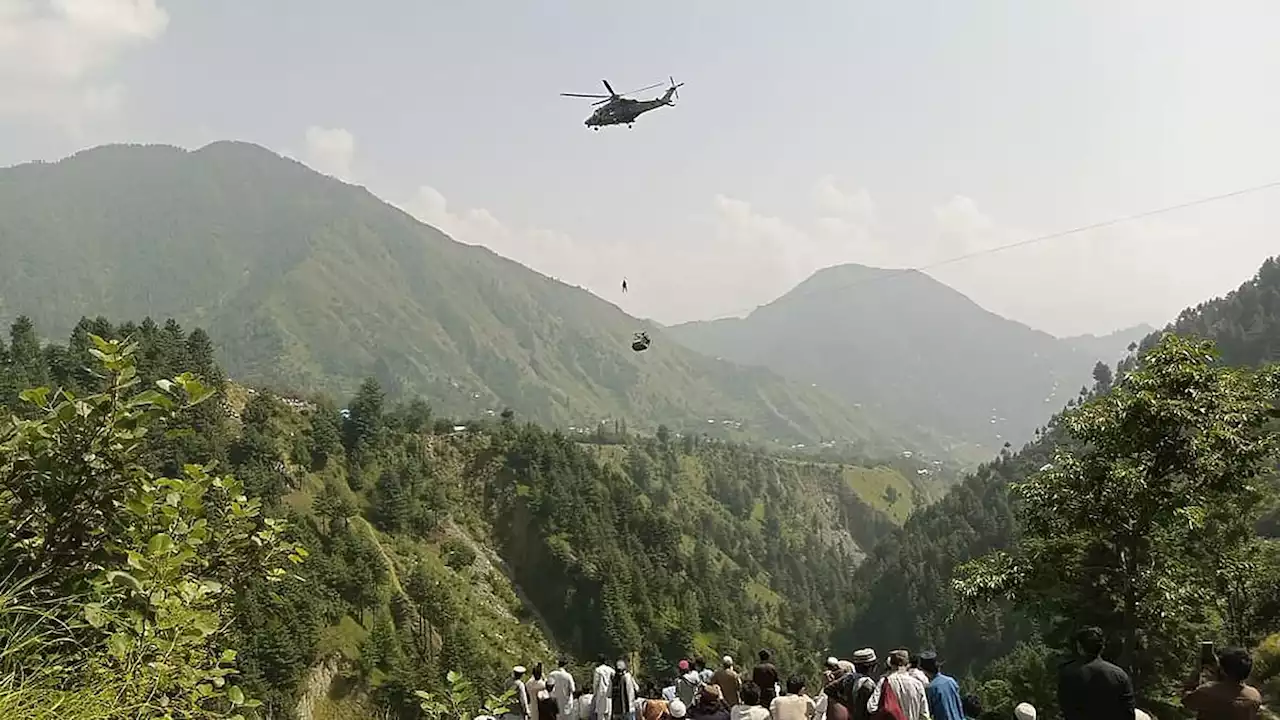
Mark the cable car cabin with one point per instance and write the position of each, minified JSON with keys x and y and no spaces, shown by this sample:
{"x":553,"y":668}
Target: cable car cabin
{"x":641,"y":342}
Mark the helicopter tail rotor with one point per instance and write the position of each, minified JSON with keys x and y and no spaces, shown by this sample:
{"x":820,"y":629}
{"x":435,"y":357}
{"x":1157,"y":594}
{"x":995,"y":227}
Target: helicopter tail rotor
{"x":673,"y":93}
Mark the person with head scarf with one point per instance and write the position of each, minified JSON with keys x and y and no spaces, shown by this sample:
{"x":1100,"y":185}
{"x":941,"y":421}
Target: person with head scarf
{"x":624,"y":691}
{"x":795,"y":705}
{"x":897,"y":692}
{"x":728,"y":680}
{"x":564,"y":688}
{"x":710,"y":705}
{"x":942,"y":692}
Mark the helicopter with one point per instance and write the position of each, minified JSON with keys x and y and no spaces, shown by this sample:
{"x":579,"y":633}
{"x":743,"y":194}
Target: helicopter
{"x":615,"y":109}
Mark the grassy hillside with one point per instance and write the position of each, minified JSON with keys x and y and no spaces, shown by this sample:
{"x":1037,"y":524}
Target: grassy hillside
{"x":908,"y":347}
{"x":310,"y":283}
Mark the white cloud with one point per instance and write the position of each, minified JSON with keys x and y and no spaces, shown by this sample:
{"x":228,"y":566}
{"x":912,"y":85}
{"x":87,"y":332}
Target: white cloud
{"x":53,"y":54}
{"x":331,"y":150}
{"x":552,"y":253}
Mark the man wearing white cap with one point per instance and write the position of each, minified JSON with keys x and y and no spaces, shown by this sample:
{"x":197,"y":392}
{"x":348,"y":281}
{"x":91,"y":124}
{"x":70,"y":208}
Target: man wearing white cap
{"x":676,"y":709}
{"x":728,"y":680}
{"x":1024,"y":711}
{"x":521,"y":706}
{"x":854,"y":689}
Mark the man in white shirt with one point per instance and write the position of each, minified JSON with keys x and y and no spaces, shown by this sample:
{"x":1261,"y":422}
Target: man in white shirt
{"x":908,"y":690}
{"x":602,"y":689}
{"x":520,"y":703}
{"x":563,"y":689}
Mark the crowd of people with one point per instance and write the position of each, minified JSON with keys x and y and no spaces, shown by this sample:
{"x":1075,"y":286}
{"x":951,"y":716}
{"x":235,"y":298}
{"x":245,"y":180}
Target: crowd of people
{"x":906,"y":687}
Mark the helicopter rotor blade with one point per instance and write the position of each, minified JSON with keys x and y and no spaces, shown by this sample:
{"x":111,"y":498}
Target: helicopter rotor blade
{"x":648,"y":87}
{"x":584,"y":95}
{"x":609,"y":87}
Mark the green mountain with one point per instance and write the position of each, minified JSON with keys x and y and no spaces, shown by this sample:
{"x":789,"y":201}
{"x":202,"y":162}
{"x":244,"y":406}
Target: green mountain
{"x":311,"y":283}
{"x":905,"y":584}
{"x":910,"y":348}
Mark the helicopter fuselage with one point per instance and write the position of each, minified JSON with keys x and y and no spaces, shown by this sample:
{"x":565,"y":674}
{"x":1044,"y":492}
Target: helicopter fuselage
{"x":623,"y":112}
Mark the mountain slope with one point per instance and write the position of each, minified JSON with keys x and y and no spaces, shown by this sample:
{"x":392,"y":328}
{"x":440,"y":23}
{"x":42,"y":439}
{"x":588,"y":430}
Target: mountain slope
{"x":1112,"y":346}
{"x":310,"y":283}
{"x":907,"y":596}
{"x":906,"y":345}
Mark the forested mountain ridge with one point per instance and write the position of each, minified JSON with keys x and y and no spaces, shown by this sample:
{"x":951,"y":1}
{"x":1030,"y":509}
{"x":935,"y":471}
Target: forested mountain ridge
{"x":310,"y":283}
{"x":906,"y":589}
{"x":912,"y":348}
{"x":1112,"y":346}
{"x":433,"y":548}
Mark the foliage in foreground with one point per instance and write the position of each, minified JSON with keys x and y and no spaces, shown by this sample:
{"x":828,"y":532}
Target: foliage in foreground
{"x":1146,"y":529}
{"x":132,"y":577}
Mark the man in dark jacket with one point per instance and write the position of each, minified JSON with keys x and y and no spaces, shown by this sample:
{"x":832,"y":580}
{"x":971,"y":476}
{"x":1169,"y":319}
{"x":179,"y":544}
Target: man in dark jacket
{"x":765,"y":676}
{"x":1090,"y":688}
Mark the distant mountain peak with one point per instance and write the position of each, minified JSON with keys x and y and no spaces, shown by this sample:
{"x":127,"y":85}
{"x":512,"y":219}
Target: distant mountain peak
{"x":909,"y":345}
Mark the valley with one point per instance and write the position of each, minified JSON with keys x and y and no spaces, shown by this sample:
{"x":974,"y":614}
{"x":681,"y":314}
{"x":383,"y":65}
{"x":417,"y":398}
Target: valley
{"x":480,"y":471}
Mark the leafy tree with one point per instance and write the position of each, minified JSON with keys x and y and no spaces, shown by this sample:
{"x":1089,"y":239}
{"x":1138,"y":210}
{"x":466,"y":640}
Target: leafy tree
{"x":156,"y":560}
{"x":1145,"y":529}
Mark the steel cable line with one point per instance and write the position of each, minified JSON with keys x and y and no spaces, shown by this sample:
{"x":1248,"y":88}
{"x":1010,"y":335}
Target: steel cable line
{"x":891,"y":273}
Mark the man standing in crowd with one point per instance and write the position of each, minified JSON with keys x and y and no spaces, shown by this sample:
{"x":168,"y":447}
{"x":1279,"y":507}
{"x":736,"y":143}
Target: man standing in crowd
{"x":688,"y":684}
{"x":728,"y":680}
{"x":900,"y":689}
{"x":1090,"y":688}
{"x":602,"y":689}
{"x":795,"y":705}
{"x":624,"y":692}
{"x":765,"y":676}
{"x":563,"y":689}
{"x":1227,"y":697}
{"x":521,"y":708}
{"x":704,"y":672}
{"x":942,"y":692}
{"x":748,"y":707}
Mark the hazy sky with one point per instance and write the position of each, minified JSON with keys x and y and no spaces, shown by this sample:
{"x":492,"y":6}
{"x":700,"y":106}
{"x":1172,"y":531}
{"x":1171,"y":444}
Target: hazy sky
{"x":808,"y":133}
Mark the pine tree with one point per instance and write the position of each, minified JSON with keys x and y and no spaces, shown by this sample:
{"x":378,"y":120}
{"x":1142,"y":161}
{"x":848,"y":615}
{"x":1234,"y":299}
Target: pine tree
{"x":365,"y":417}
